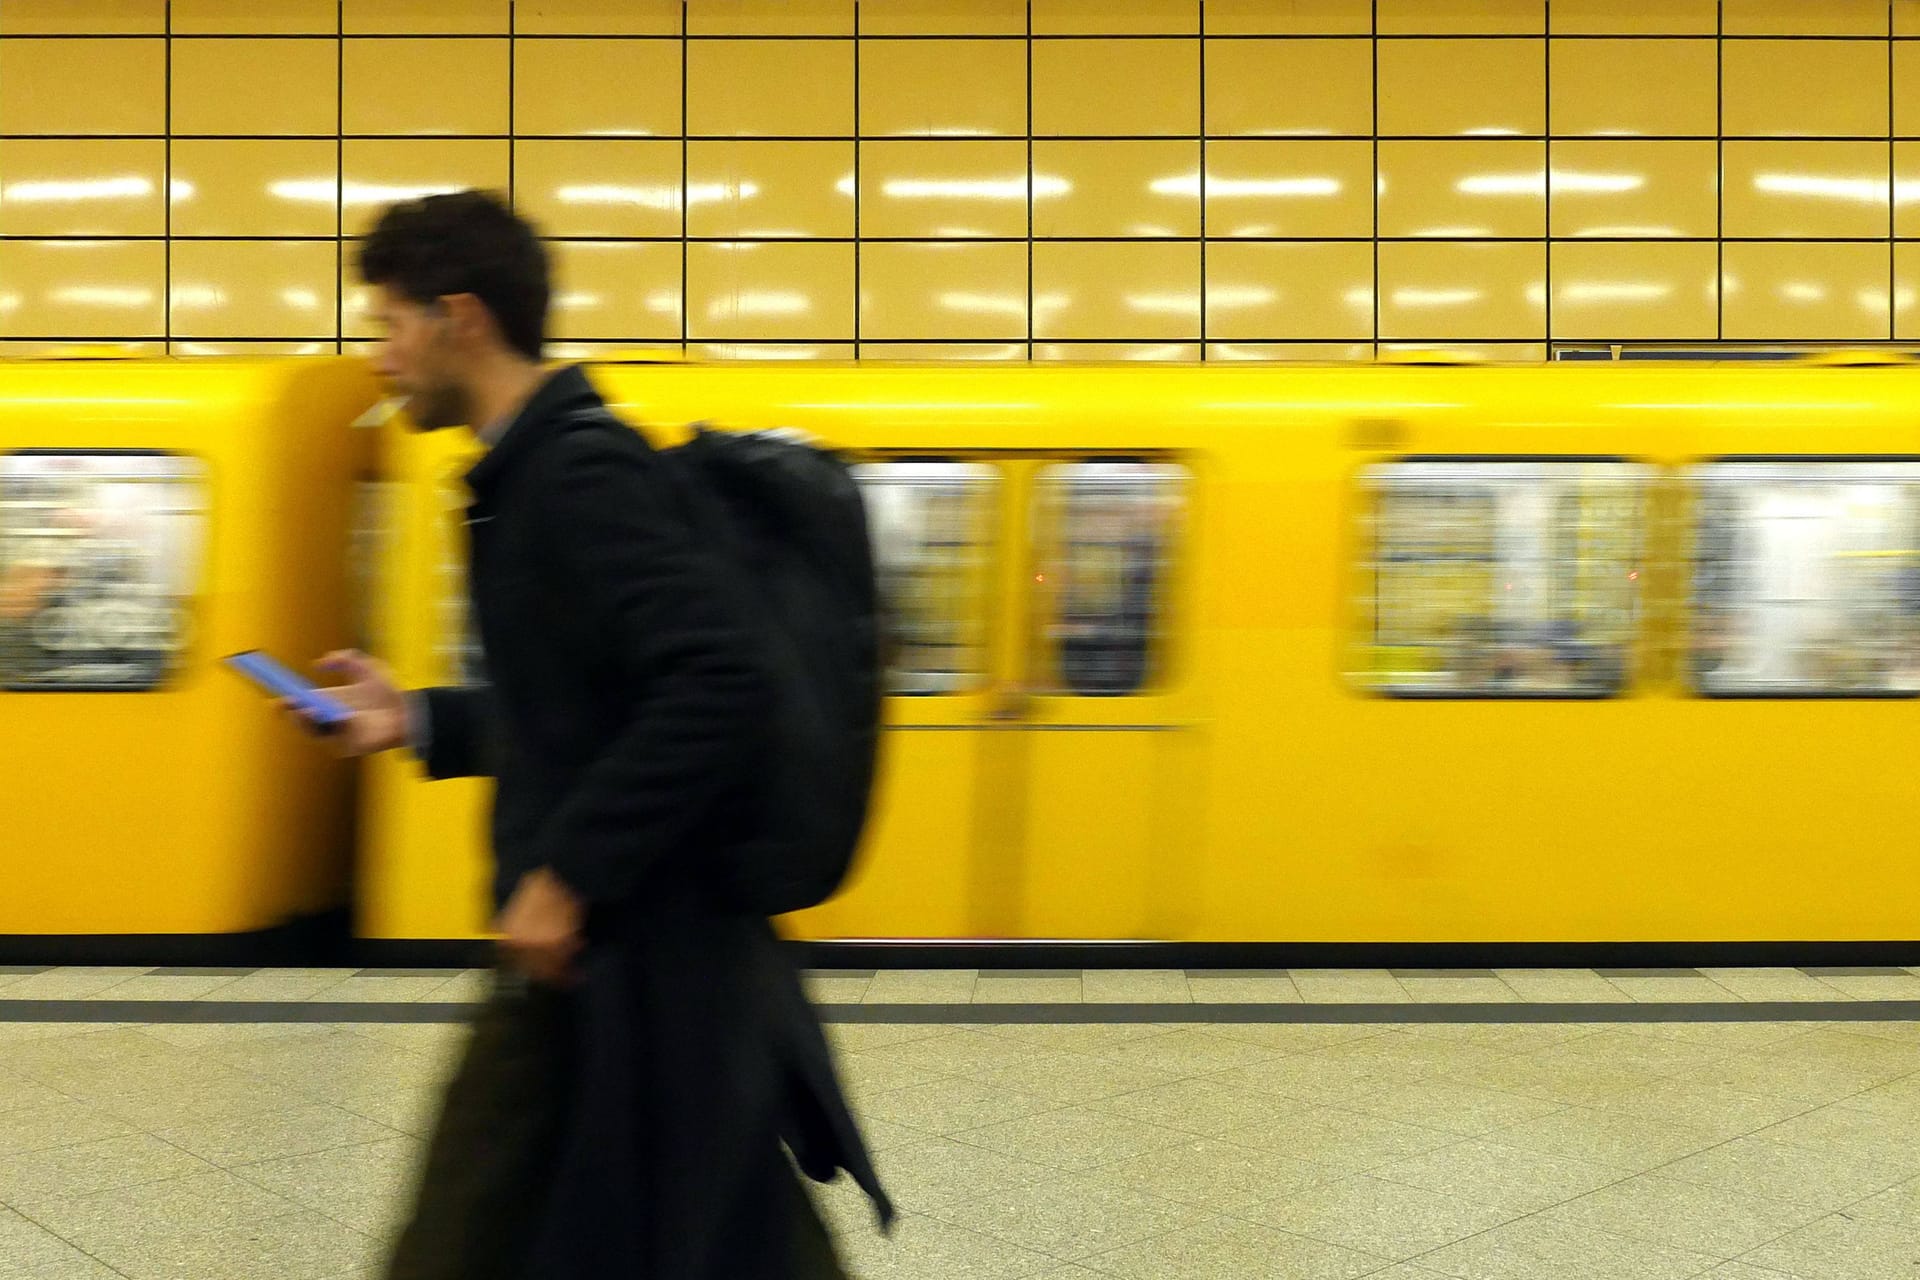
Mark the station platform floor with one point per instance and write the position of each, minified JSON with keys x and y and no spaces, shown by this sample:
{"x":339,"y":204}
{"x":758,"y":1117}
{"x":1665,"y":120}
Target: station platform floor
{"x":1733,"y":1124}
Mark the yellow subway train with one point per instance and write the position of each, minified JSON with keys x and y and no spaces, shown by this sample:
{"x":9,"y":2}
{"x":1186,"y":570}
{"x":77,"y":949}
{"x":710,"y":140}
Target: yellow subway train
{"x":1584,"y":654}
{"x":1567,"y":654}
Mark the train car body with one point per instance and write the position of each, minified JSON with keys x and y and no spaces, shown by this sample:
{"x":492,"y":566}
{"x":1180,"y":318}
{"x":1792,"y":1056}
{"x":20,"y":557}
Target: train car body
{"x":156,"y":515}
{"x":1377,"y":655}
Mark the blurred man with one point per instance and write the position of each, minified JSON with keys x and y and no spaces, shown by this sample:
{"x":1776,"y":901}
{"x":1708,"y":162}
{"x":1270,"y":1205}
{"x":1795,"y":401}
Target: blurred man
{"x":620,"y":1107}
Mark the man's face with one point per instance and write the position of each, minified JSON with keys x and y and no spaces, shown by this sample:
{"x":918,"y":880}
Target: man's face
{"x":418,"y":360}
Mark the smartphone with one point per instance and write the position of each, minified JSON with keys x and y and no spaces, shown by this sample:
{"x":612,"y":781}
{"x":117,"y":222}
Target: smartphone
{"x":325,"y":713}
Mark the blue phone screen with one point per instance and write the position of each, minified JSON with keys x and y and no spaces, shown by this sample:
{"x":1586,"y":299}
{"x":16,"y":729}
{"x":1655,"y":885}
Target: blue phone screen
{"x":282,"y":683}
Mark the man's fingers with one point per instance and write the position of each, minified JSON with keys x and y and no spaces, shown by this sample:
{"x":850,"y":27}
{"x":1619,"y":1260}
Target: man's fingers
{"x":350,"y":663}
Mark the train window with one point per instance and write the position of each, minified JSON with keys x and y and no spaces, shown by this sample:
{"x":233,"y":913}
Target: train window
{"x":1501,"y":578}
{"x":100,"y":554}
{"x":1806,"y":579}
{"x":456,"y":637}
{"x":369,"y":542}
{"x":1105,"y":540}
{"x":932,"y":527}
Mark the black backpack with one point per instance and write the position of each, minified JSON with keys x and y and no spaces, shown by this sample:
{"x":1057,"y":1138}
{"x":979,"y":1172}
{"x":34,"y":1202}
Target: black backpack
{"x":791,"y":520}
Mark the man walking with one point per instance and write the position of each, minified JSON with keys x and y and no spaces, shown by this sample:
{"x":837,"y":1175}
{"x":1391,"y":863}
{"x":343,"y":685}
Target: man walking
{"x":625,"y":1091}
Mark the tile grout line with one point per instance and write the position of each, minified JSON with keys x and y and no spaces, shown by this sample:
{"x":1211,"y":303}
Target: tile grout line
{"x":166,"y":185}
{"x":1028,"y":46}
{"x":859,"y":256}
{"x":1373,"y":179}
{"x":1719,"y":171}
{"x":1045,"y":37}
{"x":686,"y":328}
{"x":1546,"y":184}
{"x":1200,"y":28}
{"x":340,"y":176}
{"x":26,"y":1216}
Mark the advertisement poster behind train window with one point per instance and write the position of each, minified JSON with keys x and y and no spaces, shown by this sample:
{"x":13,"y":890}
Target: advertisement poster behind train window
{"x":99,"y":554}
{"x":1494,"y":578}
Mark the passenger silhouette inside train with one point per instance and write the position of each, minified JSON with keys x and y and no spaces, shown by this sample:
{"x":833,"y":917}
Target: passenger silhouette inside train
{"x":1105,"y":614}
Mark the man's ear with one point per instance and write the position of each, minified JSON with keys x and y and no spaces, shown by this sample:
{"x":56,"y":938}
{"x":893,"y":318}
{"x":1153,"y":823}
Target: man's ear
{"x":468,"y":319}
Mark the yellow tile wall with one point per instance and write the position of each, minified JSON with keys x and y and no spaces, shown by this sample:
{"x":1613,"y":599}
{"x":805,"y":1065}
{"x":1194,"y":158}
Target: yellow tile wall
{"x":980,"y":179}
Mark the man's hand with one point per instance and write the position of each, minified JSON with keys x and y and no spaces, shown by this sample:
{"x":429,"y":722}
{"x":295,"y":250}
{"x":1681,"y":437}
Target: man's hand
{"x":540,"y":927}
{"x":379,"y":720}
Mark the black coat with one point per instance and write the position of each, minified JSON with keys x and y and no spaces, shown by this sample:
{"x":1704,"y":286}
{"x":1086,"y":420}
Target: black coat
{"x":625,"y":722}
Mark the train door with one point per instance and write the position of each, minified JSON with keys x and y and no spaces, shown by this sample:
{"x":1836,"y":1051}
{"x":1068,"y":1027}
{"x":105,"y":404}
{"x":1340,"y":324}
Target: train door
{"x":1102,"y":770}
{"x":1034,"y":765}
{"x":939,"y":533}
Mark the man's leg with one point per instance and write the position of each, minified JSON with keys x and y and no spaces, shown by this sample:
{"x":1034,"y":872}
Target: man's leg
{"x":481,"y":1189}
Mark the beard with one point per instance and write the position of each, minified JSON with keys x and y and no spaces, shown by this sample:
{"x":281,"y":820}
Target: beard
{"x":437,"y":408}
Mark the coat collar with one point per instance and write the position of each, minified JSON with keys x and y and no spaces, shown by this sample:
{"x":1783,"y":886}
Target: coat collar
{"x":563,"y":394}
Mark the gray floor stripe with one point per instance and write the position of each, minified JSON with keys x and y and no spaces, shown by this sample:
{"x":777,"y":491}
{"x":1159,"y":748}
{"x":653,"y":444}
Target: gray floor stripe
{"x":251,"y":1011}
{"x":1506,"y":1012}
{"x":170,"y":1011}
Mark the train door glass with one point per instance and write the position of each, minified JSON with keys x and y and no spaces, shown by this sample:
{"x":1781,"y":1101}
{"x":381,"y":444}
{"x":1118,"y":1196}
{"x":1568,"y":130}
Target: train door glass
{"x":1806,"y":578}
{"x":369,"y":551}
{"x":1104,"y":531}
{"x":1103,"y":767}
{"x":1501,"y":578}
{"x":930,"y":528}
{"x":456,"y":638}
{"x":100,"y":557}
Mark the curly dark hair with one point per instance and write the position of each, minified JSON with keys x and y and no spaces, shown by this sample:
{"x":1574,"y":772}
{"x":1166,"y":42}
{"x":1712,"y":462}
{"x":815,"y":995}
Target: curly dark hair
{"x":464,"y":242}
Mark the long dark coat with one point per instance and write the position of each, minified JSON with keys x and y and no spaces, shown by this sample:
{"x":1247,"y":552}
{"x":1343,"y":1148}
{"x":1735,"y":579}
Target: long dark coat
{"x":625,"y":722}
